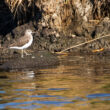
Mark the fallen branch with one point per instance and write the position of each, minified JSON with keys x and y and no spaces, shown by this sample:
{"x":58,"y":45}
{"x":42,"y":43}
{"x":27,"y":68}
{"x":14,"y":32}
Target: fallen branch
{"x":84,"y":43}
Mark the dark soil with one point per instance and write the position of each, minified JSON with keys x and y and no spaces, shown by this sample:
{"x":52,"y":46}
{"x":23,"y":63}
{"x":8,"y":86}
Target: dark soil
{"x":41,"y":59}
{"x":49,"y":39}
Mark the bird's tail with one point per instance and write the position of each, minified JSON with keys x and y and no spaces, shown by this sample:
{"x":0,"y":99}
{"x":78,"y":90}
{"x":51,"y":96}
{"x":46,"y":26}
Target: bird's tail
{"x":14,"y":47}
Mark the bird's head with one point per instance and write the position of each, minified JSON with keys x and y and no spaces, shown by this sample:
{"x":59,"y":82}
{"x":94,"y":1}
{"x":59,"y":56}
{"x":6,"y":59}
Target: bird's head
{"x":28,"y":31}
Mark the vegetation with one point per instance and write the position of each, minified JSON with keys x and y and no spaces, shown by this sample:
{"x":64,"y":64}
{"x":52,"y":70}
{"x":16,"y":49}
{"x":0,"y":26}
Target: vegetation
{"x":101,"y":8}
{"x":21,"y":9}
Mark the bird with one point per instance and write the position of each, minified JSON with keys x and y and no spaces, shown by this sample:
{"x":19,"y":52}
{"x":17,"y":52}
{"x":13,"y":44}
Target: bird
{"x":23,"y":42}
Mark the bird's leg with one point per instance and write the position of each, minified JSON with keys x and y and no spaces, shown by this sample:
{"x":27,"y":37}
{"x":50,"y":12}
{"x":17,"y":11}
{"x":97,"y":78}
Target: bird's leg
{"x":22,"y":54}
{"x":26,"y":52}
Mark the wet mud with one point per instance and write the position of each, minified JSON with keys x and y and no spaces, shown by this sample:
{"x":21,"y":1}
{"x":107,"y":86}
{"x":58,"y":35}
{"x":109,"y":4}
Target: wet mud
{"x":64,"y":30}
{"x":41,"y":59}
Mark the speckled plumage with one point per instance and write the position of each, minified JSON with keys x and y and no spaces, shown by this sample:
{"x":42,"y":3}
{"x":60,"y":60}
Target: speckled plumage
{"x":23,"y":42}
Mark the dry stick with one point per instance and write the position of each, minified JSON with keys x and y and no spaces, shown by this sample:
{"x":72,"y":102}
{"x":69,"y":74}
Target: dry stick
{"x":83,"y":43}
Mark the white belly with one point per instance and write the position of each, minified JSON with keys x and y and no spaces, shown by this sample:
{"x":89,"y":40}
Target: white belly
{"x":28,"y":44}
{"x":24,"y":46}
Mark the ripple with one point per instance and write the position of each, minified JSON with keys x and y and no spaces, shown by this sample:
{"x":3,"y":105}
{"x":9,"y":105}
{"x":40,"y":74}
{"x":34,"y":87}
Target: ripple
{"x":2,"y":92}
{"x":98,"y":95}
{"x":32,"y":104}
{"x":57,"y":89}
{"x":57,"y":103}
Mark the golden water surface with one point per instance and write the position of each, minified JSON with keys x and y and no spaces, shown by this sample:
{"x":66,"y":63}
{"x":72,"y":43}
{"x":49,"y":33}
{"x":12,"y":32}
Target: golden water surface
{"x":79,"y":82}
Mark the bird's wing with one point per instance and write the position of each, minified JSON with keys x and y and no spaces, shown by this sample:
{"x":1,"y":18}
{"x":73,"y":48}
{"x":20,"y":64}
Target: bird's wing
{"x":20,"y":42}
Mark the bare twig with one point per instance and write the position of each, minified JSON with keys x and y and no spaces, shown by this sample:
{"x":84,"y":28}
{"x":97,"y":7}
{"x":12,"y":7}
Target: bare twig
{"x":74,"y":46}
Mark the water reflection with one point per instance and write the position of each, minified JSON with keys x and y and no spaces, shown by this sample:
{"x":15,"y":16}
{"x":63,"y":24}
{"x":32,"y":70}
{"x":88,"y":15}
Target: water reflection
{"x":99,"y":95}
{"x":79,"y":82}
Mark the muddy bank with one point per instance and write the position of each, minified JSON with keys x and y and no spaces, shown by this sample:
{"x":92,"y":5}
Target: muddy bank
{"x":59,"y":25}
{"x":49,"y":39}
{"x":41,"y":59}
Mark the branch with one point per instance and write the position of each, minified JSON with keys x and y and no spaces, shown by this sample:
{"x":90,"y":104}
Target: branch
{"x":74,"y":46}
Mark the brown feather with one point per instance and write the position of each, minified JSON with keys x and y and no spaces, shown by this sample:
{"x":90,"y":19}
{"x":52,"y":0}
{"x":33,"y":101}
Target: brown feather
{"x":21,"y":41}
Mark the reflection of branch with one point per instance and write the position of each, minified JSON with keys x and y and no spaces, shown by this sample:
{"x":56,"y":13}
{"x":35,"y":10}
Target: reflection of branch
{"x":74,"y":46}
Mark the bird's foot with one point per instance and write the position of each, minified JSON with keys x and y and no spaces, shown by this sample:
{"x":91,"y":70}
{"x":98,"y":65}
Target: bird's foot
{"x":27,"y":53}
{"x":22,"y":56}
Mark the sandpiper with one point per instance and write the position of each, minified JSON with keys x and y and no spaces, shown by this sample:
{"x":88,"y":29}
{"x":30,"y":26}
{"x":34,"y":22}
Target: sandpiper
{"x":23,"y":42}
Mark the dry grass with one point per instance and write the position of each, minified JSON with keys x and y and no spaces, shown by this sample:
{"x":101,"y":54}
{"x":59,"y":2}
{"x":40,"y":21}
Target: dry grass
{"x":101,"y":9}
{"x":20,"y":8}
{"x":14,"y":4}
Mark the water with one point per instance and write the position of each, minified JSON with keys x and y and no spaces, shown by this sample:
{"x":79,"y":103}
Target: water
{"x":80,"y":82}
